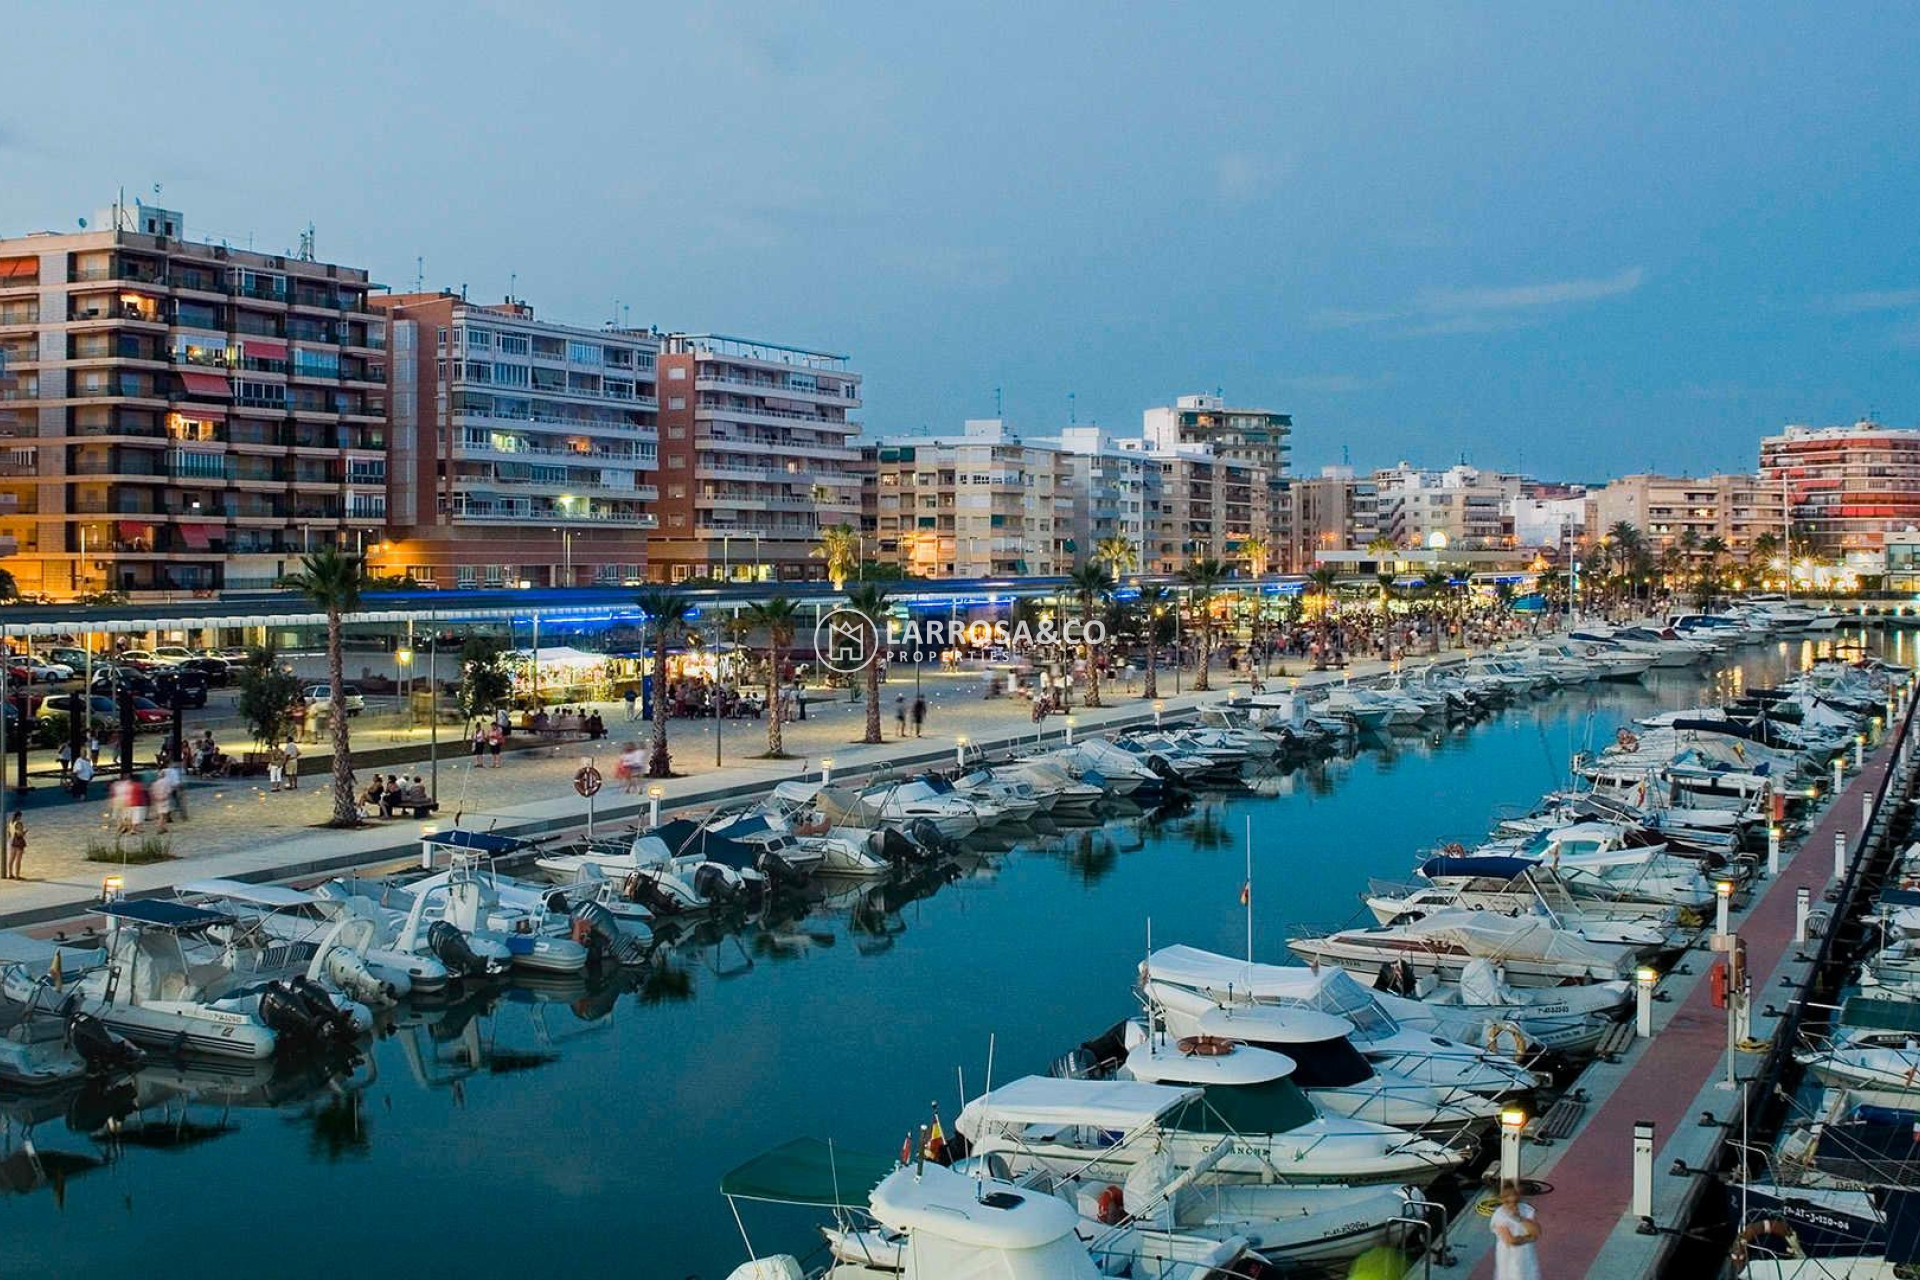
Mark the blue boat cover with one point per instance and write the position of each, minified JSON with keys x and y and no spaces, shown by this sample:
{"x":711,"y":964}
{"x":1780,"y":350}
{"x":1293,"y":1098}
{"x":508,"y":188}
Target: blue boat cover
{"x":163,"y":914}
{"x":484,"y":841}
{"x":1498,"y":868}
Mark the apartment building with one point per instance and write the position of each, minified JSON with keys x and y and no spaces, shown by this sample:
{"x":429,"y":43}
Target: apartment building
{"x":1735,"y":508}
{"x":756,"y":458}
{"x":1461,"y":506}
{"x":1259,"y":437}
{"x":1333,"y":511}
{"x":184,"y":416}
{"x":1200,"y":506}
{"x":523,"y":451}
{"x":1553,"y":524}
{"x":1108,"y":487}
{"x":982,"y":504}
{"x":1849,"y":486}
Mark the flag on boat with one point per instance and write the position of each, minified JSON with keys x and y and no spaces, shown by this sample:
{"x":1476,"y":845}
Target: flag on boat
{"x":936,"y":1146}
{"x":1246,"y":892}
{"x":906,"y":1148}
{"x":53,"y":972}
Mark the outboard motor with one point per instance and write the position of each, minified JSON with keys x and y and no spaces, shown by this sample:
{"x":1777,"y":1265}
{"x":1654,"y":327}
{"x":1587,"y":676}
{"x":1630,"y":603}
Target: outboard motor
{"x":286,"y":1015}
{"x":348,"y":971}
{"x":930,"y":838}
{"x":450,"y":948}
{"x":595,"y":928}
{"x":1168,"y":775}
{"x":98,"y":1046}
{"x":712,"y":882}
{"x":327,"y":1014}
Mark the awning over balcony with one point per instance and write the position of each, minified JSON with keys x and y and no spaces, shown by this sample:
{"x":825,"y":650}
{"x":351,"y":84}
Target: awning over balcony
{"x":197,"y":536}
{"x":20,"y":269}
{"x":206,"y":384}
{"x":130,"y":529}
{"x":265,"y":349}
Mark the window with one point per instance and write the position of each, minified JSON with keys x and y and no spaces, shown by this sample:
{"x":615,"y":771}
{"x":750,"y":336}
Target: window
{"x":511,"y":344}
{"x":316,"y":364}
{"x":677,"y":374}
{"x":677,"y":462}
{"x":586,"y":353}
{"x":477,"y":371}
{"x":512,"y":375}
{"x":465,"y":576}
{"x":479,"y":339}
{"x":676,"y":491}
{"x":676,"y":402}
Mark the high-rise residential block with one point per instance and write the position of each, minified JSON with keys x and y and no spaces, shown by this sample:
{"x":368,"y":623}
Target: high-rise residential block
{"x":1849,"y":487}
{"x":523,"y":451}
{"x":1685,"y":511}
{"x":184,"y":416}
{"x":982,"y":504}
{"x":756,"y":458}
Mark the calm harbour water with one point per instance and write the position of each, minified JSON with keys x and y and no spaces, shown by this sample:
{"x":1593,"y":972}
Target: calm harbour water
{"x":592,"y":1134}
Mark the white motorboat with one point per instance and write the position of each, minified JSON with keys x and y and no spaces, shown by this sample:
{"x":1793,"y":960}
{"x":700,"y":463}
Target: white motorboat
{"x":918,"y":800}
{"x":1372,"y":709}
{"x":1530,"y":951}
{"x":303,"y":919}
{"x":1069,"y":795}
{"x":411,"y":924}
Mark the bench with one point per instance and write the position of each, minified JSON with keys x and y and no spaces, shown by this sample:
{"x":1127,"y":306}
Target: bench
{"x":1562,"y":1118}
{"x":404,"y":808}
{"x":1615,"y":1041}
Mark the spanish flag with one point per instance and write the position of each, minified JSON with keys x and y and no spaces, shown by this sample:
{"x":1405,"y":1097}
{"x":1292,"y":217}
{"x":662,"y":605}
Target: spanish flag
{"x":936,"y":1145}
{"x":1246,"y":892}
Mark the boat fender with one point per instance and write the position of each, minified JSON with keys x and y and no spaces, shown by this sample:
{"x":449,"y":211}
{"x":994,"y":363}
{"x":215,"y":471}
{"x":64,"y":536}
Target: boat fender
{"x":1113,"y":1205}
{"x":1780,"y":1237}
{"x":1206,"y":1046}
{"x":1627,"y":739}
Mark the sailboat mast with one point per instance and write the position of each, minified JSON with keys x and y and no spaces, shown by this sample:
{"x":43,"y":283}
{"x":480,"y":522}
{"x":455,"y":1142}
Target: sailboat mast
{"x":1247,"y":894}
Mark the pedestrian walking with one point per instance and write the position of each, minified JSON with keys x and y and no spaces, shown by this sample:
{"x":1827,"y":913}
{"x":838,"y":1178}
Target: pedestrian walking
{"x":65,"y":758}
{"x":919,"y":713}
{"x":276,"y":767}
{"x":161,"y":799}
{"x":633,"y":704}
{"x":17,"y":846}
{"x":93,"y":749}
{"x":900,"y":715}
{"x":496,"y":738}
{"x":291,"y":753}
{"x":177,"y":788}
{"x":1516,"y":1230}
{"x":82,"y":775}
{"x":479,"y":744}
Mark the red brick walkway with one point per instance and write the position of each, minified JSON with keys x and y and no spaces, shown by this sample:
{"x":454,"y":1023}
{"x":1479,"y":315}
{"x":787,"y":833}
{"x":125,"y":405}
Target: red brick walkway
{"x":1593,"y":1179}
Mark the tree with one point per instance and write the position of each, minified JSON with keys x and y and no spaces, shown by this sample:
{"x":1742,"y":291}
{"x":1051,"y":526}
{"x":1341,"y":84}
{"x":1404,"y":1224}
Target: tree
{"x":1156,"y":606}
{"x":332,"y":578}
{"x":1761,"y":553}
{"x":1323,"y":581}
{"x":268,"y":692}
{"x":840,"y":547}
{"x":486,"y":682}
{"x":1713,"y":548}
{"x":1202,"y":578}
{"x":1256,"y":549}
{"x":1091,"y":582}
{"x":1118,"y":554}
{"x":1552,"y":587}
{"x":869,"y":600}
{"x":9,"y":589}
{"x":779,"y":618}
{"x":665,"y":617}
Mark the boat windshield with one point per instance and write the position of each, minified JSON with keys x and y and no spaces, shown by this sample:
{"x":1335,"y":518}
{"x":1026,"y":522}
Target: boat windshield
{"x":1276,"y":1106}
{"x":1325,"y":1064}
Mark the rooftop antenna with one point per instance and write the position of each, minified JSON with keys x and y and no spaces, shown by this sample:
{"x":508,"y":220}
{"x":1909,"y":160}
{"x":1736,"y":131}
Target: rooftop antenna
{"x":1071,"y":412}
{"x":306,"y":242}
{"x":996,"y":402}
{"x":513,"y":284}
{"x":419,"y":273}
{"x":1346,"y":456}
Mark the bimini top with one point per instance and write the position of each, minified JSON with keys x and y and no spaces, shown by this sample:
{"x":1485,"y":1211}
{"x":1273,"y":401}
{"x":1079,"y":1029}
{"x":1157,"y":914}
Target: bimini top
{"x":1163,"y":1061}
{"x":1104,"y":1104}
{"x":162,"y":915}
{"x":810,"y":1172}
{"x":257,"y":895}
{"x":1493,"y":868}
{"x":981,"y":1213}
{"x":1271,"y":1024}
{"x":478,"y":841}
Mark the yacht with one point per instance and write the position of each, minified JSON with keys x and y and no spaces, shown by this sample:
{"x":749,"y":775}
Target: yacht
{"x":1530,"y":951}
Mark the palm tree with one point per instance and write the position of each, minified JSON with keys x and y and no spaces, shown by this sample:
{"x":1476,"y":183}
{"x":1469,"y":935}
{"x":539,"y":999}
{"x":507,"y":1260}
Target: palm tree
{"x":1761,"y":554}
{"x":1256,"y":549}
{"x":779,"y":618}
{"x":1324,"y":579}
{"x":1118,"y":554}
{"x":1156,"y":606}
{"x":1201,"y":578}
{"x":332,"y":579}
{"x":1091,"y":582}
{"x":840,"y":547}
{"x":665,"y":613}
{"x":869,"y":600}
{"x":1712,"y":547}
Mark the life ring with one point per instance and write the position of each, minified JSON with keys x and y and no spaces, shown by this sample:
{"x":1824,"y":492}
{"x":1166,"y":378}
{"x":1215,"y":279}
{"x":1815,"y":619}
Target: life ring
{"x":1593,"y":651}
{"x":1113,"y":1205}
{"x":1496,"y":1031}
{"x":1206,"y":1046}
{"x":1454,"y":849}
{"x":1627,"y":738}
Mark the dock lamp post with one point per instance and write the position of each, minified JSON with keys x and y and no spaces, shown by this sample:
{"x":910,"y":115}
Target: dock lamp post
{"x":1644,"y":980}
{"x":1839,"y":855}
{"x":960,"y":752}
{"x":654,"y":793}
{"x":1859,"y":750}
{"x":1158,"y":708}
{"x":1513,"y":1122}
{"x":1802,"y":908}
{"x":1723,"y":906}
{"x":1773,"y":849}
{"x":1643,"y":1173}
{"x":1070,"y":722}
{"x":826,"y":771}
{"x":1839,"y":772}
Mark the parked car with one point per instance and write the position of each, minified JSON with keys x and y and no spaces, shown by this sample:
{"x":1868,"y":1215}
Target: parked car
{"x":218,"y":671}
{"x":172,"y":655}
{"x":322,"y":696}
{"x":141,"y":658}
{"x":75,"y":658}
{"x":148,"y":714}
{"x":132,"y":679}
{"x":191,"y":686}
{"x":48,"y":672}
{"x":102,"y":714}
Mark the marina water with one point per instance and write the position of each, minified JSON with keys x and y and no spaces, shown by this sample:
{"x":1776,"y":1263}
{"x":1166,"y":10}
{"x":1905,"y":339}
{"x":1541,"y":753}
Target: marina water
{"x":567,"y":1127}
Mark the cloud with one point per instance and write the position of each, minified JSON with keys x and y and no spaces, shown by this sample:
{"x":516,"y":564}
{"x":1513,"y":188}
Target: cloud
{"x":1484,"y":309}
{"x":1874,"y":300}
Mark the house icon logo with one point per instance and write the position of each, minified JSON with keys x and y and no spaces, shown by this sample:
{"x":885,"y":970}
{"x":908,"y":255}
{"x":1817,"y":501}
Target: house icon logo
{"x":846,"y":642}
